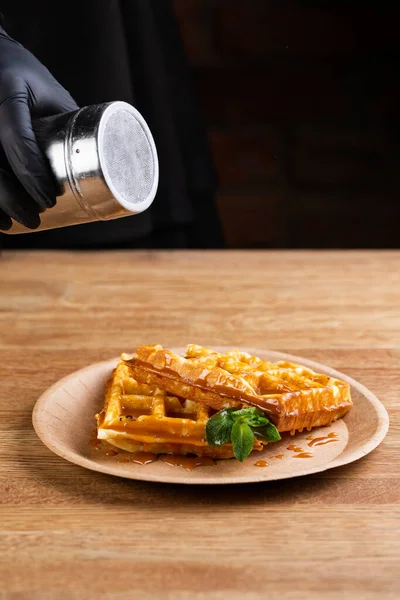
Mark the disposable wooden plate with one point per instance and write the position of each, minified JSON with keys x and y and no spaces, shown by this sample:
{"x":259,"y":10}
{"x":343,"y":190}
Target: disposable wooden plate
{"x":64,"y":420}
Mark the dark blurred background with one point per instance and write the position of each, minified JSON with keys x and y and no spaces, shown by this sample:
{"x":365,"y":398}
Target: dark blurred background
{"x":300,"y":103}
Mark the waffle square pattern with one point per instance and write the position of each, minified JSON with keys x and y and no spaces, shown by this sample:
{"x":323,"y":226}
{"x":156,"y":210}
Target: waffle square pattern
{"x":292,"y":396}
{"x":141,"y":417}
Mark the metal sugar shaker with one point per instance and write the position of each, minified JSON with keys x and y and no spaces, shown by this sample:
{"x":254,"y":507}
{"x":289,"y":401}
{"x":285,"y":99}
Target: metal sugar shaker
{"x":104,"y":162}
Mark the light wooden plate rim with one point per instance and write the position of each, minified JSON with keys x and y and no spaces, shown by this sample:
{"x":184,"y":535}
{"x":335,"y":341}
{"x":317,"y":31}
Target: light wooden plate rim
{"x":180,"y":476}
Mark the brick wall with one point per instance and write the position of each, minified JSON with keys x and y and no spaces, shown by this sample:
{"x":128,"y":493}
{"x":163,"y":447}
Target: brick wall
{"x":301,"y":102}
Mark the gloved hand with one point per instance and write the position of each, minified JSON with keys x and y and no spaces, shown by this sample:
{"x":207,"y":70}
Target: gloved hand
{"x":27,"y":91}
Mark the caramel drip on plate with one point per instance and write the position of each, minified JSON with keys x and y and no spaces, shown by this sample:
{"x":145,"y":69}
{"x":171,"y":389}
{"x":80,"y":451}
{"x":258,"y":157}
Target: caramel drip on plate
{"x":122,"y":459}
{"x":111,"y":452}
{"x":303,"y":455}
{"x":94,"y":441}
{"x":277,"y":456}
{"x":325,"y":439}
{"x":143,"y":458}
{"x":295,"y":448}
{"x":323,"y":443}
{"x":187,"y":462}
{"x":261,"y":463}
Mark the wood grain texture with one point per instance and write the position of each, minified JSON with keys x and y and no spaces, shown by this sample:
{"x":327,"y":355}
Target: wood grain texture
{"x":70,"y":533}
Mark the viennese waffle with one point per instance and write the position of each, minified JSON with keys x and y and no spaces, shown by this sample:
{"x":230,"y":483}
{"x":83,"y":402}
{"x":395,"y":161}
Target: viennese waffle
{"x":140,"y":417}
{"x":292,"y":396}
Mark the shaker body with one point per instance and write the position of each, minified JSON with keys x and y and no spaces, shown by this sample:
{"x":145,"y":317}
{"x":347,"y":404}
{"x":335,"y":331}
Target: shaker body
{"x":86,"y":164}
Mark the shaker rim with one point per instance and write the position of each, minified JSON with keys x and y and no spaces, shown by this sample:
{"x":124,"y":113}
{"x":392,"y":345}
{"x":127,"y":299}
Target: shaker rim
{"x":112,"y":108}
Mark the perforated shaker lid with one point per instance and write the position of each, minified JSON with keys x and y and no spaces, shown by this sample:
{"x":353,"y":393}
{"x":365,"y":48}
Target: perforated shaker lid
{"x":128,"y":156}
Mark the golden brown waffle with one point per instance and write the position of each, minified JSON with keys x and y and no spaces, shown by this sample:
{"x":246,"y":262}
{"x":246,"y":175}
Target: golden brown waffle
{"x":292,"y":396}
{"x":140,"y":417}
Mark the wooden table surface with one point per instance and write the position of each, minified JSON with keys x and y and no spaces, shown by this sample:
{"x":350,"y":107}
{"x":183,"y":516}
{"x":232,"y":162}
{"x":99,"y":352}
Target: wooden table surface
{"x":71,"y":533}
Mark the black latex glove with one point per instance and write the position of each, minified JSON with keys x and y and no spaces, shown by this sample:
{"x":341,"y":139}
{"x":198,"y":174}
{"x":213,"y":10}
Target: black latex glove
{"x":27,"y":91}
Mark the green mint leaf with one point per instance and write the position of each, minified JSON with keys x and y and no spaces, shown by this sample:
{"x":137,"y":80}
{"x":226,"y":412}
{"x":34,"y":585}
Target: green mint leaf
{"x":244,"y":412}
{"x":272,"y":433}
{"x":242,"y":440}
{"x":251,"y":410}
{"x":256,"y":421}
{"x":260,"y":433}
{"x":267,"y":433}
{"x":240,"y":427}
{"x":219,"y":427}
{"x":252,"y":416}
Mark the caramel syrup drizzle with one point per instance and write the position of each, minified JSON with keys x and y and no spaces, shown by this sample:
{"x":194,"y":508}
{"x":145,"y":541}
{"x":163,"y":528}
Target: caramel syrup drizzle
{"x":321,"y":441}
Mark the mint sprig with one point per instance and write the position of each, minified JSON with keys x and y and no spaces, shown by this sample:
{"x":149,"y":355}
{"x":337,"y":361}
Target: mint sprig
{"x":242,"y":439}
{"x":240,"y":427}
